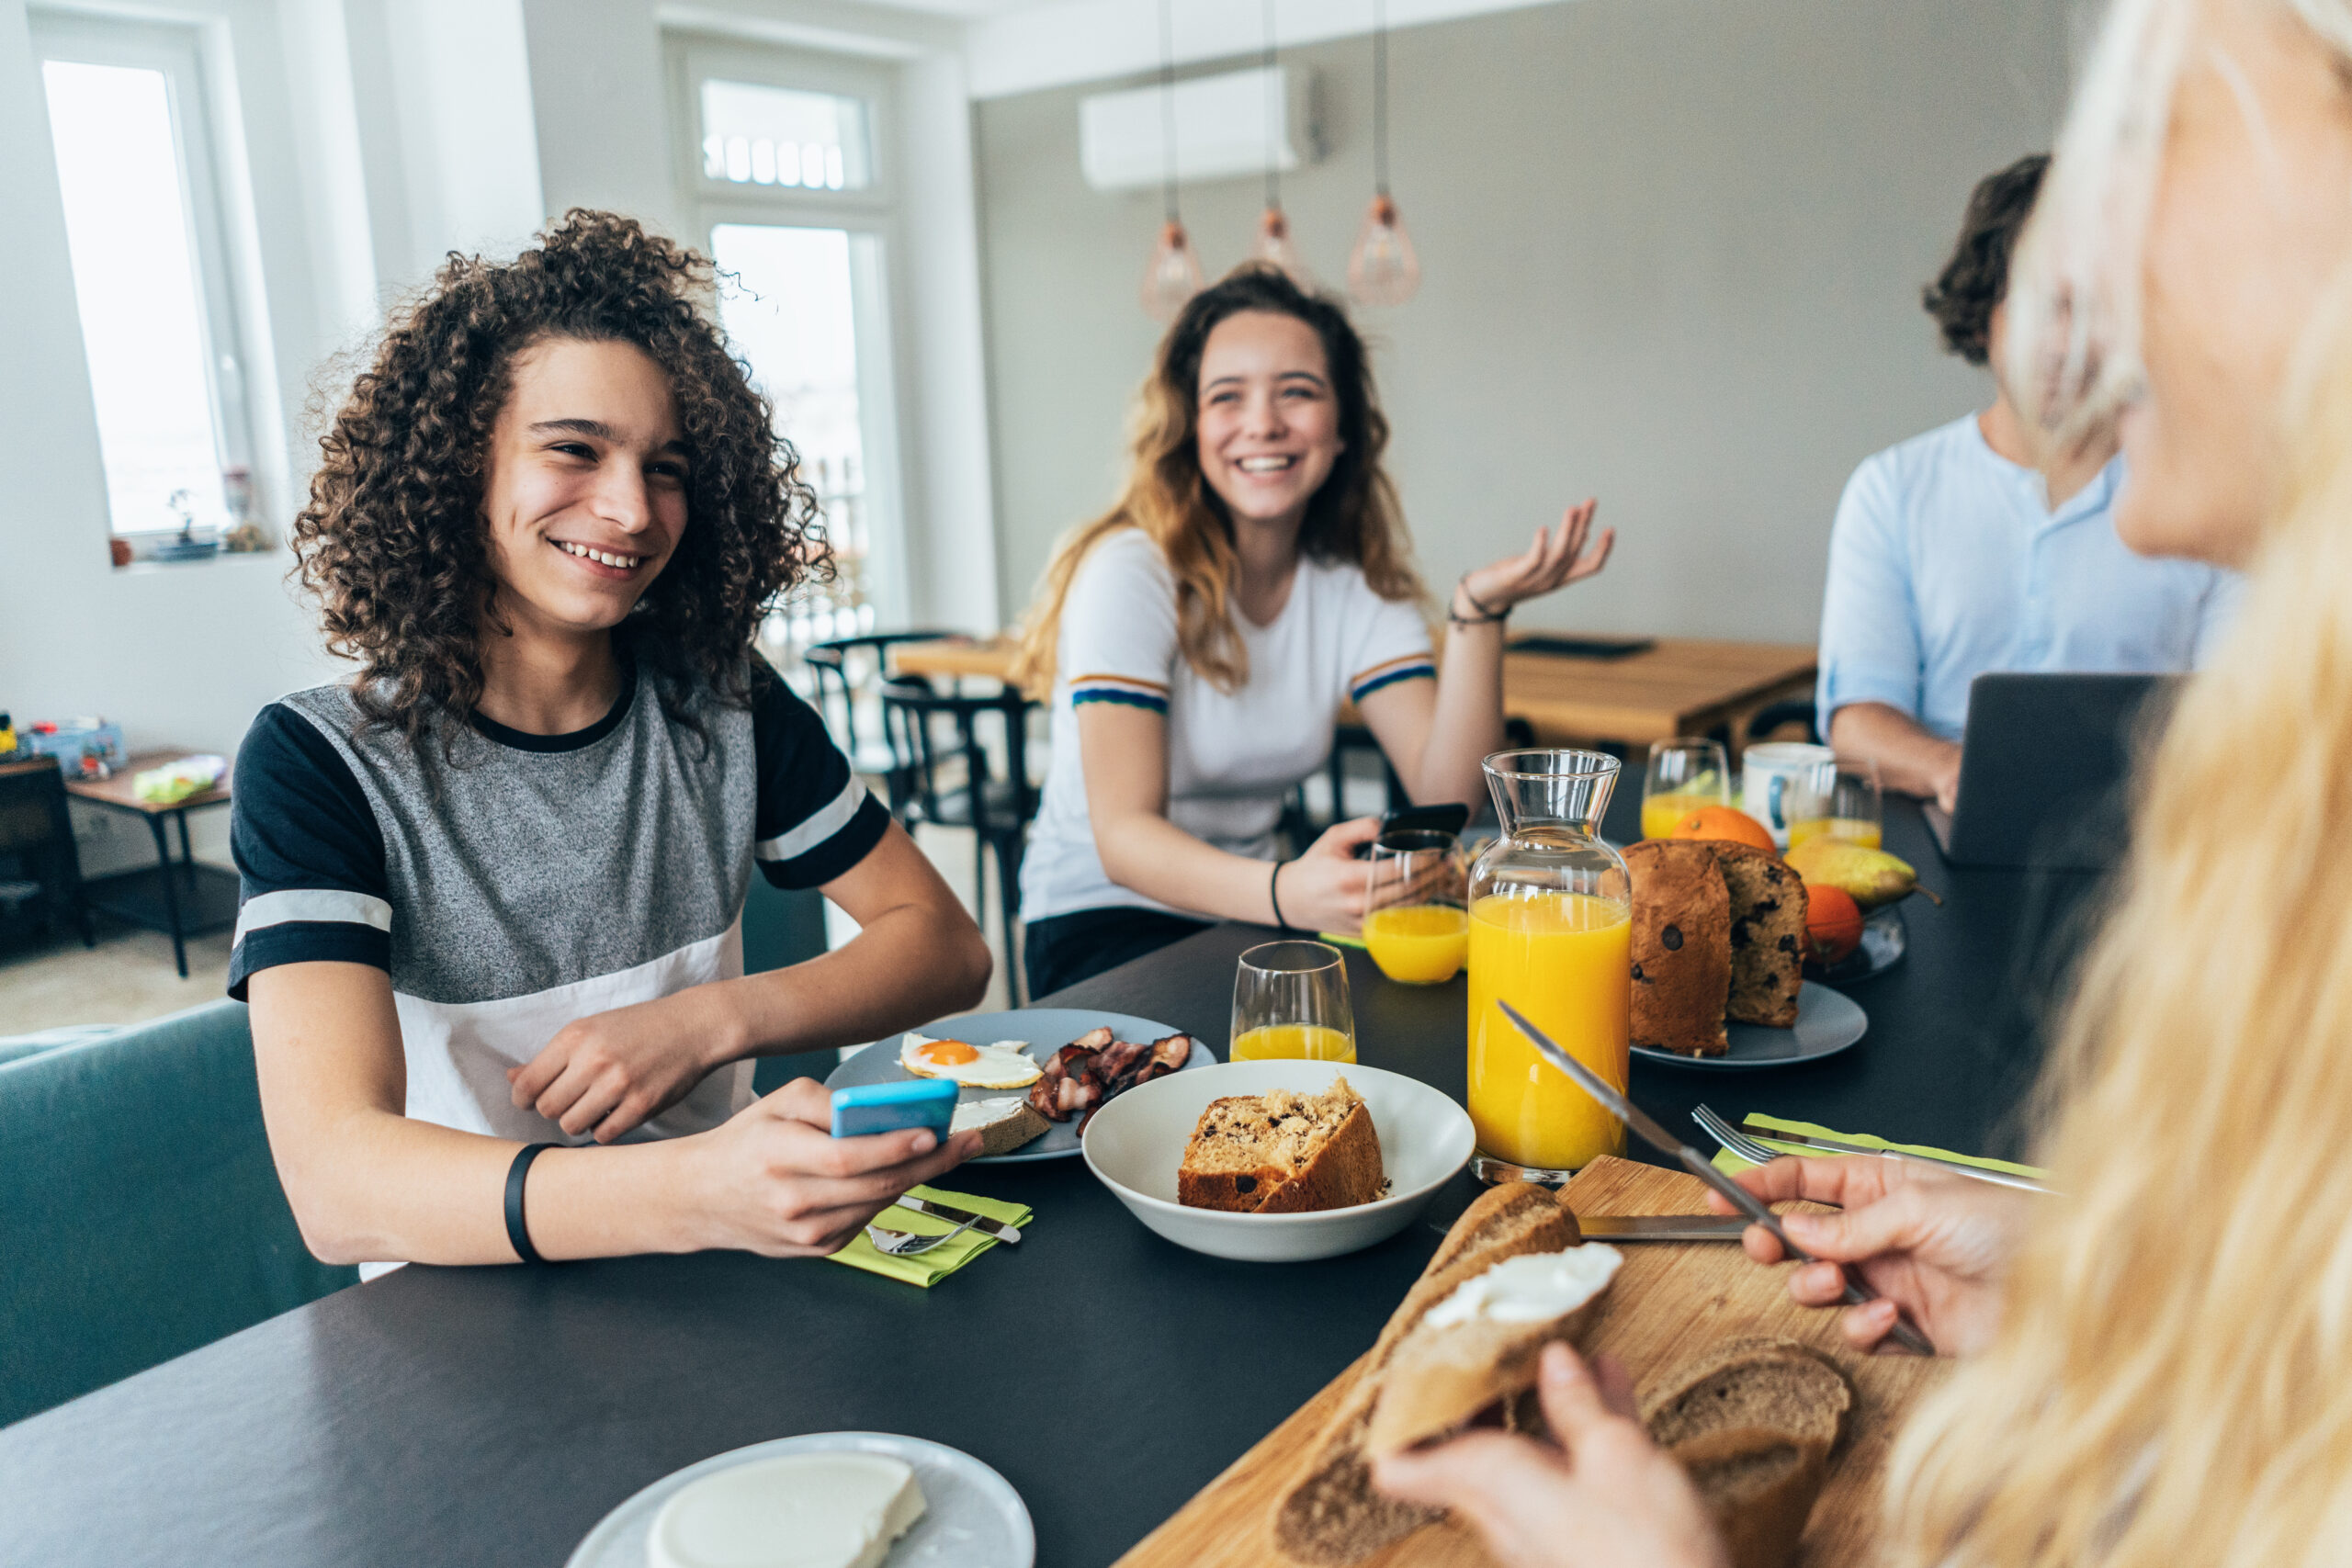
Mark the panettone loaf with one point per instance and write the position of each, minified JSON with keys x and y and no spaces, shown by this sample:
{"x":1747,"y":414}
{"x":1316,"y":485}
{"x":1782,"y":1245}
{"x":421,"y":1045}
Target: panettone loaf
{"x":1767,"y":927}
{"x":1681,"y":945}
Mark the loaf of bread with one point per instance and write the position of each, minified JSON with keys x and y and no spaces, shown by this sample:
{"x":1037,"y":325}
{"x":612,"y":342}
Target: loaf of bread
{"x":1477,"y":1349}
{"x":1760,"y":1486}
{"x":1755,"y":1422}
{"x":1682,"y":947}
{"x":1283,"y":1152}
{"x":1329,"y":1515}
{"x":1768,"y":933}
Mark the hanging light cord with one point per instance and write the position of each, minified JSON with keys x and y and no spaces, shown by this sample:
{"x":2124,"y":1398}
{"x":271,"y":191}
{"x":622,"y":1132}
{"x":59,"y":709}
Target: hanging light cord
{"x":1168,"y":104}
{"x":1274,"y":111}
{"x":1380,"y":96}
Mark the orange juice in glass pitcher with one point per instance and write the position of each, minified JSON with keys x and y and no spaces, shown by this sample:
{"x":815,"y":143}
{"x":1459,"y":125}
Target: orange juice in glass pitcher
{"x":1551,"y":928}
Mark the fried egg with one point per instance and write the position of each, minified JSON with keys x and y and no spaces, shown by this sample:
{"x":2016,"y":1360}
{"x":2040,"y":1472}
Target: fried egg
{"x":1000,"y":1065}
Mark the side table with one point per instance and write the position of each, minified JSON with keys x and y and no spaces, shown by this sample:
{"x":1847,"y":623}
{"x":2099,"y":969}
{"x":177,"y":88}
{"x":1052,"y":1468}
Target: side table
{"x":184,"y":899}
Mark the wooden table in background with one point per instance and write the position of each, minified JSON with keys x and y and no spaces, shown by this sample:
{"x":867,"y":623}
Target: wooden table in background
{"x":185,"y":899}
{"x":1676,"y":686}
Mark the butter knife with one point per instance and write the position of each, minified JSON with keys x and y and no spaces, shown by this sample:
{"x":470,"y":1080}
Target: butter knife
{"x":1662,"y":1227}
{"x":1698,"y":1164}
{"x":954,"y":1215}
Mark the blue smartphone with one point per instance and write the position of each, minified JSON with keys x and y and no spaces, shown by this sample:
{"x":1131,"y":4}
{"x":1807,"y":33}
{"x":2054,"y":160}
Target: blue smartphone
{"x":888,"y":1107}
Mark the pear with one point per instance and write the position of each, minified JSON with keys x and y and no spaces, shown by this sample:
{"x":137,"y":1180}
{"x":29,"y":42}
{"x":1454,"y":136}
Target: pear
{"x":1870,"y":878}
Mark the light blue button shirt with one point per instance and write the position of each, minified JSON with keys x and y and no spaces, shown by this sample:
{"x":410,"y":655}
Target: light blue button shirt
{"x":1946,"y":562}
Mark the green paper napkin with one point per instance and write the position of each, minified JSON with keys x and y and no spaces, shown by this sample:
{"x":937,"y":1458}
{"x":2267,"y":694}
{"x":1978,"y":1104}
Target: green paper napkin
{"x":1732,"y":1165}
{"x":928,"y":1268}
{"x":1336,"y":939}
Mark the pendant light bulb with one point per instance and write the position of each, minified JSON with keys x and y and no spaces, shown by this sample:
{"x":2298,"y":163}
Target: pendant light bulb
{"x":1382,"y":269}
{"x":1274,"y":248}
{"x":1174,"y":274}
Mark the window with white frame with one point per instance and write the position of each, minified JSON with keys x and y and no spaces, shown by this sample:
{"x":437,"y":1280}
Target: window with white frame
{"x":786,"y":171}
{"x":128,"y":125}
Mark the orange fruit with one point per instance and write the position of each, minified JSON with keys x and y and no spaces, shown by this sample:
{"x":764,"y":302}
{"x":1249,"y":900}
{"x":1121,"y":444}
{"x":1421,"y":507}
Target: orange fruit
{"x":1834,"y":922}
{"x":1725,"y":822}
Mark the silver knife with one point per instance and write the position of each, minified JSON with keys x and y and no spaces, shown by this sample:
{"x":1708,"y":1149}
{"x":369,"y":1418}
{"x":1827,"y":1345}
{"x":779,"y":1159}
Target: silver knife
{"x":1698,"y":1164}
{"x":954,"y":1215}
{"x":1662,"y":1227}
{"x":1838,"y":1146}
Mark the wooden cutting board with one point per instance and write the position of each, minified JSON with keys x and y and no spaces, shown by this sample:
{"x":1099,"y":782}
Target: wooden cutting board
{"x":1668,"y":1302}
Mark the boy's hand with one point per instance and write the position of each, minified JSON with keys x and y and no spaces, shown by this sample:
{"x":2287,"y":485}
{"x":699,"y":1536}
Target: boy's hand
{"x":610,"y":1071}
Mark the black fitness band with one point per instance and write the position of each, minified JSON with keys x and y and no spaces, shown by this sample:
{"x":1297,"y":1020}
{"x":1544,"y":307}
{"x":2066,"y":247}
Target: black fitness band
{"x":519,"y":1235}
{"x":1273,"y":896}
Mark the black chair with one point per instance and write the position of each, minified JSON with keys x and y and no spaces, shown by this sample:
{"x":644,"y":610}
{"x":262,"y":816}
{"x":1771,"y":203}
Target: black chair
{"x":1789,"y":710}
{"x":843,"y":670}
{"x":996,"y":809}
{"x":1298,"y":824}
{"x":39,"y":869}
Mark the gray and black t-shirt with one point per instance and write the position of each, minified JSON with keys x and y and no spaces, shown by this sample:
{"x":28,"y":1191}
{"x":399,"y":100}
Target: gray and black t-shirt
{"x":538,"y":879}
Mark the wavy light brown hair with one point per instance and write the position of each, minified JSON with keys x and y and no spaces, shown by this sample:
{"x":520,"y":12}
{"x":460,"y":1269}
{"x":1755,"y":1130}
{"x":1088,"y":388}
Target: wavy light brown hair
{"x":1354,"y":517}
{"x":394,"y":543}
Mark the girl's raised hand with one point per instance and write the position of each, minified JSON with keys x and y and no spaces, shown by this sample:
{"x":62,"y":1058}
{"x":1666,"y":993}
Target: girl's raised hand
{"x":1558,"y":556}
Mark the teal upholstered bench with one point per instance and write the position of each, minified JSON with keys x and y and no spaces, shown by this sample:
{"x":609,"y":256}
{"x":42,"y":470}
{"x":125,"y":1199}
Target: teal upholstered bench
{"x":141,"y":1213}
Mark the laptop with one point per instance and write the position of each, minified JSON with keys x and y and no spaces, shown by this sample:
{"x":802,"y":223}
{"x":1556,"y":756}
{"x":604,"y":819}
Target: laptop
{"x":2045,"y":769}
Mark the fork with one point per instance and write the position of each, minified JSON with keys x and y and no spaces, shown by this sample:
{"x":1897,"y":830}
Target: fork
{"x":908,"y":1243}
{"x":1756,"y":1153}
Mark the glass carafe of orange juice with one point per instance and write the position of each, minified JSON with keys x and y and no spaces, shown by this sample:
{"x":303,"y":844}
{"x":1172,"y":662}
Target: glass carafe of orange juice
{"x":1551,"y":923}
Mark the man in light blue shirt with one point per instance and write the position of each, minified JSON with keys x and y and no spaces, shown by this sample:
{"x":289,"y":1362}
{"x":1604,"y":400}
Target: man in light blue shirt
{"x":1953,"y":555}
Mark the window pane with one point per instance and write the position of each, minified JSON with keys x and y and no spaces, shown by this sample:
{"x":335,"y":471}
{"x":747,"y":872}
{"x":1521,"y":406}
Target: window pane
{"x":786,"y":303}
{"x":134,"y":278}
{"x":753,"y":134}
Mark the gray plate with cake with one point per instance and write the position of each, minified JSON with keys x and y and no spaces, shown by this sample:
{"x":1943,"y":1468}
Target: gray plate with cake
{"x":1037,"y":1033}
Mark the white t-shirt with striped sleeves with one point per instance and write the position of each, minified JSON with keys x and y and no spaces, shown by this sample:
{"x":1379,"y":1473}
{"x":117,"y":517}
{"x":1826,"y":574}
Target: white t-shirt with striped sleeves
{"x":1232,"y":757}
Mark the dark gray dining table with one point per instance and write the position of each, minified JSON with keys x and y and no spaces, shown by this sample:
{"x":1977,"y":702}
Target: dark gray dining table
{"x":453,"y":1416}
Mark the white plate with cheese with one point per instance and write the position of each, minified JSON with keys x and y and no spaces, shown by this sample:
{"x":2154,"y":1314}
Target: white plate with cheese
{"x":719,"y":1511}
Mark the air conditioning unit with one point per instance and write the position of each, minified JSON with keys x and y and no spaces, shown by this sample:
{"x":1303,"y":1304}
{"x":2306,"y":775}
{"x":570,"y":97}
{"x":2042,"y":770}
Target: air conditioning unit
{"x":1224,"y":128}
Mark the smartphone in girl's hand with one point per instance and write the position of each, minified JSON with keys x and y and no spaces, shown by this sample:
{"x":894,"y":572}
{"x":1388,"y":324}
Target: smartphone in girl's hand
{"x":888,"y":1107}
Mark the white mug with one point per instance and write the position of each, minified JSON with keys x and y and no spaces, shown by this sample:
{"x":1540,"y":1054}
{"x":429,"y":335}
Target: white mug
{"x":1770,"y":774}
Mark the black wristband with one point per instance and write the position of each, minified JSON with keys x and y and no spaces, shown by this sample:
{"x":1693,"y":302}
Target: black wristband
{"x":519,"y":1235}
{"x":1273,"y":896}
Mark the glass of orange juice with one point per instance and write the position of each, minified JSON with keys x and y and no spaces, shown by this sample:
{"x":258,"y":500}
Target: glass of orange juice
{"x":1290,"y":999}
{"x":1414,"y":924}
{"x":1683,"y":775}
{"x":1551,"y":929}
{"x":1838,"y":800}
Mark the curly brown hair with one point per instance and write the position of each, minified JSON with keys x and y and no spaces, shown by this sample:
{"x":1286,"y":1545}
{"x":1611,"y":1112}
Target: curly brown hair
{"x":1976,"y":278}
{"x":394,"y":543}
{"x":1353,"y":517}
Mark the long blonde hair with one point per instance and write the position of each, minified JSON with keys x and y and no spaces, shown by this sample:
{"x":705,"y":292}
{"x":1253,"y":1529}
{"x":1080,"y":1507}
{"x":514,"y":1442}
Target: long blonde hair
{"x":2172,"y":1381}
{"x":1354,"y":517}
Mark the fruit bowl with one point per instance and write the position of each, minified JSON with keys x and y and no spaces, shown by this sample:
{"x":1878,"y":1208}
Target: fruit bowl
{"x":1136,"y":1141}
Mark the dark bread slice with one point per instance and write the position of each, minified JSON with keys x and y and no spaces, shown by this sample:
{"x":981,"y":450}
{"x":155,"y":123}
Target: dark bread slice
{"x":1768,"y":933}
{"x":1760,"y":1486}
{"x":1682,"y":947}
{"x":1330,"y":1515}
{"x":1778,"y":1385}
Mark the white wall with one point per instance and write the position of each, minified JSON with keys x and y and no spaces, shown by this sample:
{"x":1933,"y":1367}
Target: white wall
{"x":1672,"y":255}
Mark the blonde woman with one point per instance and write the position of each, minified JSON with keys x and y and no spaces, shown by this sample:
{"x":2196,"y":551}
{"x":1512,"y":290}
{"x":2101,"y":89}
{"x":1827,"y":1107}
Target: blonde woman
{"x":1199,"y":639}
{"x":2158,"y":1364}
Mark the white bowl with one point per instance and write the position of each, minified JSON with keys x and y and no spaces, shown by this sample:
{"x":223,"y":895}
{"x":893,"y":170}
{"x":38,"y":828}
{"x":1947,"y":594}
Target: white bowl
{"x":1136,"y":1141}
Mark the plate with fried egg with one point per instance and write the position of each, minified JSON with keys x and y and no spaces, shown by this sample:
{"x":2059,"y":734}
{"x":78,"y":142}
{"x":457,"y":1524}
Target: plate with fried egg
{"x":993,"y":1058}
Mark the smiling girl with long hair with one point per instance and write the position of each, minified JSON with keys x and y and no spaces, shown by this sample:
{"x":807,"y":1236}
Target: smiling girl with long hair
{"x":1198,"y":642}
